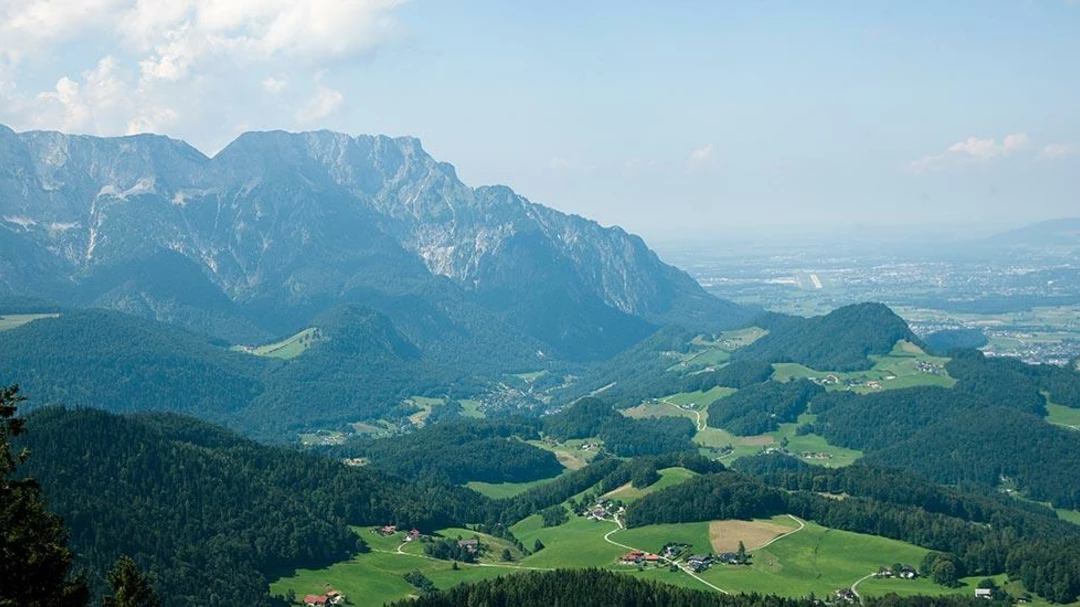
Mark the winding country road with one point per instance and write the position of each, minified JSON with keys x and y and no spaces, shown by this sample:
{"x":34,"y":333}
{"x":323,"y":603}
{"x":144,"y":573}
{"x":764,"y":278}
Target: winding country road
{"x":700,"y":424}
{"x":607,"y":538}
{"x":782,"y":536}
{"x":855,"y":586}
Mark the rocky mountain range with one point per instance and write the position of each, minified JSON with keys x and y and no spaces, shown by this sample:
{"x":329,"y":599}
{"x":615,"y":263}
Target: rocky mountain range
{"x":280,"y":227}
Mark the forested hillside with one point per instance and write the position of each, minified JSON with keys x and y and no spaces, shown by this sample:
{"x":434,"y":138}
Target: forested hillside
{"x":208,"y":514}
{"x":839,"y":341}
{"x":362,"y":368}
{"x":987,"y":428}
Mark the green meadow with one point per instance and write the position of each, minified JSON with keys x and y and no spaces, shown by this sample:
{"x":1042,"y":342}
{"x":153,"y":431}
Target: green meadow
{"x":576,"y":543}
{"x":815,"y":559}
{"x":504,"y":490}
{"x":893,"y":371}
{"x":14,"y":321}
{"x":286,"y":349}
{"x":668,"y":477}
{"x":1063,"y":416}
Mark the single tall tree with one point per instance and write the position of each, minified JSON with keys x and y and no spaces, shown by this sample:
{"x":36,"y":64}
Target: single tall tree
{"x":33,"y":544}
{"x":130,"y":587}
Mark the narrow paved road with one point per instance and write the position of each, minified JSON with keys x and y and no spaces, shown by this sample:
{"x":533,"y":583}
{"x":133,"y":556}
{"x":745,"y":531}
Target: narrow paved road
{"x":431,"y":558}
{"x":855,"y":586}
{"x":607,"y":538}
{"x":700,"y":424}
{"x":780,"y":537}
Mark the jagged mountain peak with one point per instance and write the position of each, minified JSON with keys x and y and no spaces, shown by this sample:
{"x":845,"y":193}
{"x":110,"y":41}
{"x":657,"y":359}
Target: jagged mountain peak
{"x":297,"y":221}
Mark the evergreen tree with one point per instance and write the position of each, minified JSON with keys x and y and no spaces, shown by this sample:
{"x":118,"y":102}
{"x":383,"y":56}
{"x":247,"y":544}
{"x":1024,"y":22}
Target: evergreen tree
{"x":130,"y":587}
{"x":33,"y":545}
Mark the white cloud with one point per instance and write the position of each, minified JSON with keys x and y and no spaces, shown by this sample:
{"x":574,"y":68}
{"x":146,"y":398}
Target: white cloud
{"x":1054,"y":151}
{"x":702,"y":155}
{"x":99,"y":102}
{"x":274,"y":86}
{"x":182,"y":62}
{"x":972,"y":149}
{"x":324,"y":102}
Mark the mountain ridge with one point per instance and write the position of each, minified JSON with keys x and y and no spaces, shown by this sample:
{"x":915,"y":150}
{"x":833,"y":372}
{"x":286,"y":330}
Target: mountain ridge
{"x":287,"y":225}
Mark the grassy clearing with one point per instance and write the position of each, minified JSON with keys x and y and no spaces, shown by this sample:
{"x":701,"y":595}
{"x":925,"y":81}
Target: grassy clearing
{"x":376,"y":578}
{"x":572,"y":454}
{"x":504,"y":490}
{"x":471,"y":408}
{"x":652,"y":538}
{"x":669,"y":477}
{"x":577,"y":543}
{"x":14,"y":321}
{"x":710,"y":352}
{"x":816,"y":559}
{"x":726,"y":535}
{"x":898,"y":369}
{"x":286,"y":349}
{"x":814,"y":449}
{"x":1063,"y":416}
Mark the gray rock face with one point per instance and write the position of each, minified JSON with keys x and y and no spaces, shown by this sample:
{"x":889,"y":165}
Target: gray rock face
{"x":301,"y":220}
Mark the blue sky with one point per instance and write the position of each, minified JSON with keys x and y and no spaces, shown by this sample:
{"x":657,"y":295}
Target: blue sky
{"x":693,"y":118}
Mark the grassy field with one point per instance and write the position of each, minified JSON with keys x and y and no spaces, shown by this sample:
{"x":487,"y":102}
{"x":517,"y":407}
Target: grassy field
{"x":375,"y":578}
{"x":288,"y":348}
{"x":669,"y":477}
{"x":1063,"y":416}
{"x":14,"y":321}
{"x":816,"y":559}
{"x":505,"y":490}
{"x":577,"y":543}
{"x":471,"y":408}
{"x":706,"y":352}
{"x":572,"y":454}
{"x":652,"y":538}
{"x":811,"y":448}
{"x":898,"y":369}
{"x":814,"y":449}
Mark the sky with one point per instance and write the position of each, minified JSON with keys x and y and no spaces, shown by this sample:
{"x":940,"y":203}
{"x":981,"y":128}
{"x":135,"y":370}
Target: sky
{"x":685,"y":119}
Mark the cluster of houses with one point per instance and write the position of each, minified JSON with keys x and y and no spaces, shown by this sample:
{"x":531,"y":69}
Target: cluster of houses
{"x":330,"y":597}
{"x":388,"y":530}
{"x":928,"y":367}
{"x":696,"y":562}
{"x":603,"y":510}
{"x":905,"y":572}
{"x":638,"y":557}
{"x":846,"y":595}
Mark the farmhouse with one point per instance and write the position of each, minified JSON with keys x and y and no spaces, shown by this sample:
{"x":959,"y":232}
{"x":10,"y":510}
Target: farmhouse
{"x":846,"y":594}
{"x":699,"y":562}
{"x":729,"y":558}
{"x":471,"y":544}
{"x":984,"y":593}
{"x":316,"y":599}
{"x":412,"y":536}
{"x":632,"y":558}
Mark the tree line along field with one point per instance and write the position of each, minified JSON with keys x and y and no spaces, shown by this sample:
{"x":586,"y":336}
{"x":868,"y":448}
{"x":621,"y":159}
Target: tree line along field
{"x":790,"y":557}
{"x":898,"y":369}
{"x":14,"y":321}
{"x":813,"y":559}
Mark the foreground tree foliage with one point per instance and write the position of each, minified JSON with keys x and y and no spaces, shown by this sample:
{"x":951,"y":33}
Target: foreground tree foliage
{"x":33,"y":552}
{"x":130,"y":587}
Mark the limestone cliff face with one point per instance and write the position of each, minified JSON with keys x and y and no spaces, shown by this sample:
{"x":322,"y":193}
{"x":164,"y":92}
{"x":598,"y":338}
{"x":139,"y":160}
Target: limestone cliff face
{"x":302,"y":218}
